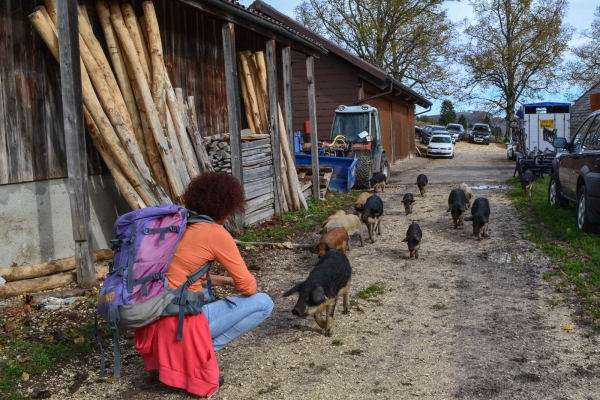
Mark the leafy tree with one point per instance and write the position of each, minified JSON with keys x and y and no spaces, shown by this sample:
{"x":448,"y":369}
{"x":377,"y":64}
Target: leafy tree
{"x":514,"y":50}
{"x":487,"y":120}
{"x":447,"y":113}
{"x":409,"y":39}
{"x":584,"y":71}
{"x":463,"y":121}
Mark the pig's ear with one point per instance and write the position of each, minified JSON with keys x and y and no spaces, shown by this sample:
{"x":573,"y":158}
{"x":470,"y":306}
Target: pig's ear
{"x":449,"y":209}
{"x":318,"y":295}
{"x":315,"y":249}
{"x":292,"y":290}
{"x":405,"y":239}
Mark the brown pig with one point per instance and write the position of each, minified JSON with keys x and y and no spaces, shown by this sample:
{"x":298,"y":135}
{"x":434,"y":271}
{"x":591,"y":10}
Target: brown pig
{"x":335,"y":239}
{"x":351,"y":223}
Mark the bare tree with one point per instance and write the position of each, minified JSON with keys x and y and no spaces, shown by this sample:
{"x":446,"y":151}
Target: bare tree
{"x":584,"y":71}
{"x":514,"y":50}
{"x":409,"y":39}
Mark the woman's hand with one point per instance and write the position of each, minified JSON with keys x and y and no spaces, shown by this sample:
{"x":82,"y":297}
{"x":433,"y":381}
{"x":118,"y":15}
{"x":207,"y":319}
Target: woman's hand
{"x":219,"y":280}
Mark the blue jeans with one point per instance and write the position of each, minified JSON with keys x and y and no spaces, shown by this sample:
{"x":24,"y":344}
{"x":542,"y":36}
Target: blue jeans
{"x":228,"y":321}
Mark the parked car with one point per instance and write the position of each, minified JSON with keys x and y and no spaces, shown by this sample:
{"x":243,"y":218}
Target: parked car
{"x":428,"y":131}
{"x":480,"y":133}
{"x":457,"y":130}
{"x":511,"y":150}
{"x":418,"y":131}
{"x":575,"y":173}
{"x":440,"y":145}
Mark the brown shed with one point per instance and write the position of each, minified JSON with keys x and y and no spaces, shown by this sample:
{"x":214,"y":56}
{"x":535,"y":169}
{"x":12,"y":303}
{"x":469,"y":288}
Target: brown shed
{"x":343,"y":78}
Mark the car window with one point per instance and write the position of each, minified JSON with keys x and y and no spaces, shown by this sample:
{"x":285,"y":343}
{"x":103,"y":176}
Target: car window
{"x":441,"y":139}
{"x":577,"y":141}
{"x":593,"y":136}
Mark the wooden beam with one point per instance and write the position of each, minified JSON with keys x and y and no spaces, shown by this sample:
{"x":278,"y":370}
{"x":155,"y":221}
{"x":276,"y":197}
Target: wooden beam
{"x":312,"y":116}
{"x":274,"y":122}
{"x":233,"y":13}
{"x":72,"y":102}
{"x":233,"y":107}
{"x":286,"y":56}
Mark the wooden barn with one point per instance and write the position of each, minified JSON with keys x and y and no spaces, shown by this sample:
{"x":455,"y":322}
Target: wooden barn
{"x":200,"y":39}
{"x":343,"y":78}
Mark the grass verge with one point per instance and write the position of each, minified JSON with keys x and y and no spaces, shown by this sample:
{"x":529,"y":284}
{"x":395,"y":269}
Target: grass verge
{"x":296,"y":223}
{"x":576,"y":254}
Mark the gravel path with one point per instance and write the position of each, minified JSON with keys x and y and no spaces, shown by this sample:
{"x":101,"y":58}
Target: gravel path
{"x":468,"y":319}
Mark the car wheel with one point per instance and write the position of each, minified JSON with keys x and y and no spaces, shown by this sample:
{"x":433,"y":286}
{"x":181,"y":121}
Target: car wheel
{"x":384,"y":167}
{"x":554,"y":197}
{"x":363,"y":173}
{"x":582,"y":203}
{"x":488,"y":143}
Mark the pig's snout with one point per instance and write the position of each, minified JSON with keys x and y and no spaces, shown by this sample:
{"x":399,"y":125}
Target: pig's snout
{"x":299,"y":311}
{"x":296,"y":312}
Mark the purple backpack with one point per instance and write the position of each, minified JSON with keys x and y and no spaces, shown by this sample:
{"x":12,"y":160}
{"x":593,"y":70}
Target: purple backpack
{"x":135,"y":292}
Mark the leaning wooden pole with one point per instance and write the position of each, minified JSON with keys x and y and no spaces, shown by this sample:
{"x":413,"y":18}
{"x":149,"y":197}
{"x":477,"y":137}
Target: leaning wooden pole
{"x":120,"y":70}
{"x":157,"y":62}
{"x":134,"y":30}
{"x":127,"y":191}
{"x":48,"y":35}
{"x":154,"y":123}
{"x":245,"y":70}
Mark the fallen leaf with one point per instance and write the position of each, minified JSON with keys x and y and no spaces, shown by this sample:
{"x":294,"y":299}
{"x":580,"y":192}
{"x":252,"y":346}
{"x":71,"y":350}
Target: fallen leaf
{"x":79,"y":340}
{"x":43,"y":324}
{"x":569,"y":230}
{"x":287,"y":245}
{"x":14,"y":265}
{"x":27,"y":308}
{"x":24,"y":376}
{"x":16,"y":312}
{"x":568,"y":327}
{"x":11,"y":326}
{"x":23,"y":359}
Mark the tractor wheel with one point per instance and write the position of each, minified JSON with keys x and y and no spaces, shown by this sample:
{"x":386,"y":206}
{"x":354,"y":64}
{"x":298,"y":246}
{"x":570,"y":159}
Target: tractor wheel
{"x":385,"y":168}
{"x":363,"y":173}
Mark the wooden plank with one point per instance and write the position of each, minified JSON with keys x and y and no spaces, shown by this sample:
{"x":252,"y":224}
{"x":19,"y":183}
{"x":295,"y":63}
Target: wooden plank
{"x":259,"y":215}
{"x":265,"y":204}
{"x":233,"y":109}
{"x":256,"y":143}
{"x":11,"y":112}
{"x":251,"y":174}
{"x":257,"y":183}
{"x":264,"y":150}
{"x":257,"y":202}
{"x":274,"y":122}
{"x":4,"y":16}
{"x":72,"y":100}
{"x":286,"y":57}
{"x":312,"y":111}
{"x":259,"y":191}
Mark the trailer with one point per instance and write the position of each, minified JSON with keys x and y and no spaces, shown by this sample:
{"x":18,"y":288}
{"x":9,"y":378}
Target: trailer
{"x":534,"y":117}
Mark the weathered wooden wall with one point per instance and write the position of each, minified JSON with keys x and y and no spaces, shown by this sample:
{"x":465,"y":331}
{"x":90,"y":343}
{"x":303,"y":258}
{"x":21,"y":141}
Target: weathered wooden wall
{"x":336,"y":82}
{"x":31,"y":134}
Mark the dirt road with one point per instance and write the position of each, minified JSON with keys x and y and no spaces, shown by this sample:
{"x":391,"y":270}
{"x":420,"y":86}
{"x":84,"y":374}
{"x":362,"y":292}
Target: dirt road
{"x":468,"y":319}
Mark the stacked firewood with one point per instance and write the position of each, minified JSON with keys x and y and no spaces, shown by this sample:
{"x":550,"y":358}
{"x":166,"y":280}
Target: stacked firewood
{"x":253,"y":79}
{"x":144,"y":131}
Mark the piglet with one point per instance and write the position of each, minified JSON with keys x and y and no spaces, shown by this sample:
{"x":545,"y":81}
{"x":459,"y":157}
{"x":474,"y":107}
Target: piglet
{"x":371,"y":215}
{"x":413,"y":239}
{"x":329,"y":280}
{"x":408,"y":201}
{"x":527,"y":180}
{"x":480,"y":215}
{"x":335,"y":239}
{"x":465,"y":188}
{"x":422,"y":184}
{"x":456,"y":205}
{"x":378,"y":182}
{"x":360,"y":202}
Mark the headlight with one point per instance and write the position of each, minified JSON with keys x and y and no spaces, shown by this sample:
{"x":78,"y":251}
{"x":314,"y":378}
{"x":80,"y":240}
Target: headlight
{"x":429,"y":148}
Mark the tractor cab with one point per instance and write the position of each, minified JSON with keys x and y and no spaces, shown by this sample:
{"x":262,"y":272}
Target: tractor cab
{"x":355,"y":130}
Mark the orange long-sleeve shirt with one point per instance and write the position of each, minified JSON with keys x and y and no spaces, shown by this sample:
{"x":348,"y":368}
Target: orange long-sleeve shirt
{"x":202,"y":242}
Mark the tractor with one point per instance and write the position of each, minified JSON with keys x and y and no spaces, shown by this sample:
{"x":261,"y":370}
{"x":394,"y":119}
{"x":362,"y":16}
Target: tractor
{"x":355,"y":133}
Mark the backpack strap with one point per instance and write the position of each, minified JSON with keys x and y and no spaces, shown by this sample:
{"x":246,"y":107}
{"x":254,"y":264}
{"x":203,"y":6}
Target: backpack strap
{"x":181,"y":296}
{"x":131,"y":243}
{"x":113,"y":322}
{"x":96,"y":337}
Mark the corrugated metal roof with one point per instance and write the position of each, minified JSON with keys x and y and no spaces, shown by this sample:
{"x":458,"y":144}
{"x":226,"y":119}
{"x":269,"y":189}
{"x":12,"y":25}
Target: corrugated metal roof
{"x":261,"y":8}
{"x":235,"y":3}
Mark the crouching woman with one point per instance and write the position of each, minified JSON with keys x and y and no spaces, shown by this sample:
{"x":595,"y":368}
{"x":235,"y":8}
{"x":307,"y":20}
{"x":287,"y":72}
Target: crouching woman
{"x":190,"y":363}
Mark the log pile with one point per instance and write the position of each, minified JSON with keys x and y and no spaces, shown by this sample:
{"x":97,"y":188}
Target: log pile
{"x":253,"y":82}
{"x":145,"y":132}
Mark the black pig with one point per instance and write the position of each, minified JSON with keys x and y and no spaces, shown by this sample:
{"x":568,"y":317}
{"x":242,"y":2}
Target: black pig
{"x":480,"y":215}
{"x":413,"y":239}
{"x":408,"y":201}
{"x":527,"y":180}
{"x":328,"y":280}
{"x":457,"y":202}
{"x":372,"y":213}
{"x":421,"y":184}
{"x":378,"y":182}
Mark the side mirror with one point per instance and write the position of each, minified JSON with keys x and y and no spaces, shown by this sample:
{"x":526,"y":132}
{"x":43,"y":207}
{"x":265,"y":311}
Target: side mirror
{"x":560,"y":143}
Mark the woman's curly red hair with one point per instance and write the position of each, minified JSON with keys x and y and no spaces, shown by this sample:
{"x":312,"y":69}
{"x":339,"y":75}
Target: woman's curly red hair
{"x":215,"y":194}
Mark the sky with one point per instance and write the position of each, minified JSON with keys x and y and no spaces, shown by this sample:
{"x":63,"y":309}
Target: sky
{"x":579,"y":15}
